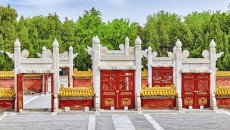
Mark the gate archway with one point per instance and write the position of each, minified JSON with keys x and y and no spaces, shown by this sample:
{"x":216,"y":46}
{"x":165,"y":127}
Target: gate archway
{"x":116,"y":75}
{"x":47,"y":64}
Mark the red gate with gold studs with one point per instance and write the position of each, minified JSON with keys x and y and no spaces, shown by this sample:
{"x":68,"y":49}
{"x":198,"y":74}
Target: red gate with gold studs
{"x":117,"y":89}
{"x":162,"y":76}
{"x":195,"y":89}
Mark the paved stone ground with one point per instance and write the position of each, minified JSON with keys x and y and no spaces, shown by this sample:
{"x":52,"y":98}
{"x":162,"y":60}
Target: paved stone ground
{"x":111,"y":120}
{"x":37,"y":101}
{"x":148,"y":121}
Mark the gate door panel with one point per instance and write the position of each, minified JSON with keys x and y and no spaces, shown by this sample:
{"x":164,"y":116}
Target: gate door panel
{"x":196,"y":90}
{"x":162,"y":76}
{"x":117,"y":89}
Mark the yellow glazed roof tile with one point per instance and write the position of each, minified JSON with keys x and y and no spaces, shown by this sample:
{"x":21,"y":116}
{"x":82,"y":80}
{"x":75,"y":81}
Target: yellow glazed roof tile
{"x":82,"y":74}
{"x":76,"y":92}
{"x":222,"y":91}
{"x":10,"y":74}
{"x":222,"y":73}
{"x":7,"y":93}
{"x":159,"y":91}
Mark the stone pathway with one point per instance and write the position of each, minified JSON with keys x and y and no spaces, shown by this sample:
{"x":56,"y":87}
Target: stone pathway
{"x":90,"y":121}
{"x":37,"y":102}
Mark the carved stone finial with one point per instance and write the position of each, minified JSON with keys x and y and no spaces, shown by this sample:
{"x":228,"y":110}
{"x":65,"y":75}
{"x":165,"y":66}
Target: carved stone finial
{"x":96,"y":40}
{"x":55,"y":43}
{"x":70,"y":48}
{"x":126,"y":39}
{"x":212,"y":43}
{"x":178,"y":43}
{"x":93,"y":38}
{"x":17,"y":43}
{"x":149,"y":48}
{"x":138,"y":41}
{"x":43,"y":48}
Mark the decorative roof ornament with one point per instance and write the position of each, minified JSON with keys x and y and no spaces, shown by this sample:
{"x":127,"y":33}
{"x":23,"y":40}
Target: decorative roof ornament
{"x":43,"y":48}
{"x":96,"y":40}
{"x":178,"y":43}
{"x":212,"y":43}
{"x":126,"y":39}
{"x":17,"y":43}
{"x":138,"y":41}
{"x":70,"y":48}
{"x":55,"y":43}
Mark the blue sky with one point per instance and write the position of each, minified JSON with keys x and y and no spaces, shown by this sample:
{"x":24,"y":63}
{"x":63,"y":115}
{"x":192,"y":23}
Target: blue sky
{"x":135,"y":10}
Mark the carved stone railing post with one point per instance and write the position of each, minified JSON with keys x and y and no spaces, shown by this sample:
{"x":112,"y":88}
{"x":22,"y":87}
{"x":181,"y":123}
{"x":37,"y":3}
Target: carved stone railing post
{"x":178,"y":75}
{"x":150,"y":61}
{"x":16,"y":58}
{"x":138,"y":56}
{"x":71,"y":65}
{"x":96,"y":72}
{"x":213,"y":74}
{"x":56,"y":73}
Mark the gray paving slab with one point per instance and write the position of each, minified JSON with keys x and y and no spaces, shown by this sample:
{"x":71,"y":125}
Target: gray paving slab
{"x":104,"y":122}
{"x":41,"y":101}
{"x":201,"y":121}
{"x":140,"y":122}
{"x":42,"y":122}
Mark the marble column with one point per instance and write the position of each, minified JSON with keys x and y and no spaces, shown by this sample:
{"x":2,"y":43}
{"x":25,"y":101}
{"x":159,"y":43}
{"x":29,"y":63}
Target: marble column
{"x":213,"y":74}
{"x":56,"y":73}
{"x":178,"y":75}
{"x":150,"y":62}
{"x":71,"y":66}
{"x":96,"y":72}
{"x":17,"y":52}
{"x":138,"y":56}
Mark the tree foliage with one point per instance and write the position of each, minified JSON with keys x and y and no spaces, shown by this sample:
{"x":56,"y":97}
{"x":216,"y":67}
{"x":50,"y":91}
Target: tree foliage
{"x":161,"y":31}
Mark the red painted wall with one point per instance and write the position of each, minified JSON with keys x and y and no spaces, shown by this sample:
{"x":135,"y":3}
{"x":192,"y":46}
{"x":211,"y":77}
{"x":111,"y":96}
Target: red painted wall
{"x":6,"y":103}
{"x":82,"y":82}
{"x":223,"y":102}
{"x":223,"y":81}
{"x":76,"y":104}
{"x":6,"y":83}
{"x":32,"y":85}
{"x":158,"y":103}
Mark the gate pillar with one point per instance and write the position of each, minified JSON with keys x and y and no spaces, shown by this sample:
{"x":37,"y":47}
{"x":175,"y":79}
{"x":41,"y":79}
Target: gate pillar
{"x":150,"y":61}
{"x":70,"y":69}
{"x":178,"y":67}
{"x":16,"y":58}
{"x":213,"y":59}
{"x":138,"y":56}
{"x":56,"y":73}
{"x":96,"y":72}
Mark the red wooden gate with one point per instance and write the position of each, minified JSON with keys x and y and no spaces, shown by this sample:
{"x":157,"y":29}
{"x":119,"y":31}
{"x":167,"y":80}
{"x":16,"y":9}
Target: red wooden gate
{"x":19,"y":92}
{"x":195,"y":89}
{"x":162,"y":76}
{"x":117,"y":89}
